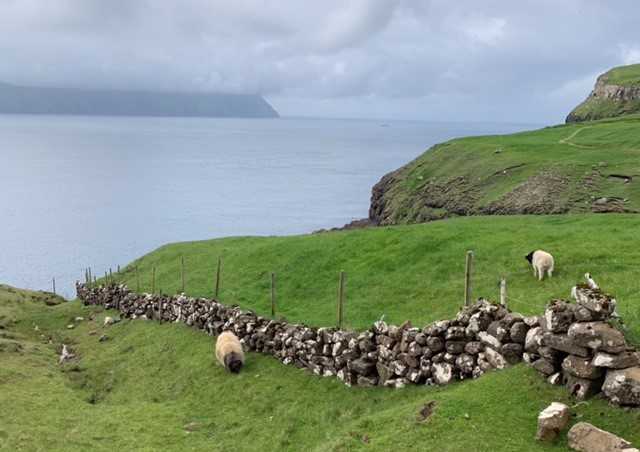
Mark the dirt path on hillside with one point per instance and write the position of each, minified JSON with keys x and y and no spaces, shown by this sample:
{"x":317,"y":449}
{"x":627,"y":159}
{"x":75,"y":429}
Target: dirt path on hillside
{"x":568,"y":139}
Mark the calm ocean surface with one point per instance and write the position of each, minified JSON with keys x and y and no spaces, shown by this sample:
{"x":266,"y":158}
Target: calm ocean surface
{"x":101,"y":191}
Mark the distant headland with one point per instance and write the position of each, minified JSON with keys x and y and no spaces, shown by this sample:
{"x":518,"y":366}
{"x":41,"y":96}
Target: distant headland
{"x":71,"y":101}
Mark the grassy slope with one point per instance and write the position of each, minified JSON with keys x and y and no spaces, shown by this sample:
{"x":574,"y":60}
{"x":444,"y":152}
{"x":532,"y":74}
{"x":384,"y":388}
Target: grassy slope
{"x":408,"y":272}
{"x":574,"y":151}
{"x":139,"y":389}
{"x":624,"y":75}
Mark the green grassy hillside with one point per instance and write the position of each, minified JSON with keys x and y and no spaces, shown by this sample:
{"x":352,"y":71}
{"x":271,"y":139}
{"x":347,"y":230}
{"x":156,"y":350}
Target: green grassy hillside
{"x":577,"y":168}
{"x":407,"y":272}
{"x":624,"y":75}
{"x":155,"y":387}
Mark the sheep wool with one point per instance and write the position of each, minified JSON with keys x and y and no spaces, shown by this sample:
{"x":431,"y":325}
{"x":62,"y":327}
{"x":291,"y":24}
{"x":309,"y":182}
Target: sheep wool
{"x":542,"y":262}
{"x":229,"y":352}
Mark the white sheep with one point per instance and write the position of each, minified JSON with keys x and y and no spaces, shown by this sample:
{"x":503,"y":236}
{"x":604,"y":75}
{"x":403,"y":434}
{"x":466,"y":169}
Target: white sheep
{"x":542,"y":262}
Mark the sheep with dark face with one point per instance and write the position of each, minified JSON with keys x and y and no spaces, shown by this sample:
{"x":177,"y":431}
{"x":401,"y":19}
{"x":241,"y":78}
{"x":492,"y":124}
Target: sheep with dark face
{"x":542,"y":262}
{"x":229,"y":352}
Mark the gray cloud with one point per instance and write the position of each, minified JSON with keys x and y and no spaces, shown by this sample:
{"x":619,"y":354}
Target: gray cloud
{"x":465,"y":60}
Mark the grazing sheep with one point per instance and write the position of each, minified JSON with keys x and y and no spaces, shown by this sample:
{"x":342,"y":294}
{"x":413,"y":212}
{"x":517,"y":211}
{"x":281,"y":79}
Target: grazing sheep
{"x":542,"y":262}
{"x":229,"y":352}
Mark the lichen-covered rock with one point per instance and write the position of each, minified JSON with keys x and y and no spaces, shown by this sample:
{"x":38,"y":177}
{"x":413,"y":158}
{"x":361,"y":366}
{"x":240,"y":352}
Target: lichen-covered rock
{"x":442,"y":373}
{"x":623,"y":386}
{"x":595,"y":301}
{"x":465,"y":363}
{"x":582,"y":388}
{"x":489,"y":340}
{"x":363,"y":366}
{"x":544,"y":367}
{"x":435,"y":344}
{"x":498,"y":330}
{"x":455,"y":347}
{"x":551,"y":421}
{"x":512,"y":352}
{"x":558,"y":316}
{"x":581,"y":368}
{"x":533,"y":339}
{"x":552,"y":355}
{"x":518,"y":332}
{"x":598,"y":336}
{"x":564,"y":344}
{"x":619,"y":361}
{"x":473,"y":347}
{"x":585,"y":437}
{"x":455,"y":333}
{"x":494,"y":358}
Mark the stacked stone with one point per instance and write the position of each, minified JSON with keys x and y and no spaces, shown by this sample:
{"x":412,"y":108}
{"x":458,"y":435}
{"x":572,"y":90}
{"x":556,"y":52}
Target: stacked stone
{"x":578,"y":346}
{"x":481,"y":337}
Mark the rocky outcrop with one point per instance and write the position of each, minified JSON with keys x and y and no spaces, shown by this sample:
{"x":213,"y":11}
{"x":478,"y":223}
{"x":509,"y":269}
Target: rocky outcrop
{"x":608,"y":99}
{"x":578,"y":345}
{"x":551,"y":421}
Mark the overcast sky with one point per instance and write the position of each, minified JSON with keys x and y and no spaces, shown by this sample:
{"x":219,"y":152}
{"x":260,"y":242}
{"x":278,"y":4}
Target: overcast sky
{"x":502,"y":60}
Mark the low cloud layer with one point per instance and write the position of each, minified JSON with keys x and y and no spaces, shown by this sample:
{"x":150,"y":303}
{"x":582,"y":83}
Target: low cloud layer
{"x":439,"y":60}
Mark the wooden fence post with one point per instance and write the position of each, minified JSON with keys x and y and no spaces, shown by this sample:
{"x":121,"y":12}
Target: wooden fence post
{"x":503,"y":292}
{"x":110,"y":276}
{"x":160,"y":309}
{"x":217,"y":289}
{"x":91,"y":277}
{"x":340,"y":299}
{"x":153,"y":280}
{"x":118,"y":268}
{"x":182,"y":271}
{"x":467,"y":278}
{"x":273,"y":295}
{"x":54,"y":285}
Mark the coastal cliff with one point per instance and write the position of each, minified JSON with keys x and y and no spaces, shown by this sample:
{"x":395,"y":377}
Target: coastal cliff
{"x":572,"y":168}
{"x":616,"y":93}
{"x":70,"y":101}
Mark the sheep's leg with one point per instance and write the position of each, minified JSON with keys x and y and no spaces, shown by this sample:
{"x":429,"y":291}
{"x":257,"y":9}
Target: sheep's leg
{"x":550,"y":272}
{"x":535,"y":272}
{"x":540,"y":274}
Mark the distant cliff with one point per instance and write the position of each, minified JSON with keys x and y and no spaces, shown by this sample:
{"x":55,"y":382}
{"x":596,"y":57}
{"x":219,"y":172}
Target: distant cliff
{"x":68,"y":101}
{"x":617,"y":93}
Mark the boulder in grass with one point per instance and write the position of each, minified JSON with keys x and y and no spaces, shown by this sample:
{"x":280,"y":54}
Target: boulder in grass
{"x":623,"y":386}
{"x":551,"y":421}
{"x":585,"y":437}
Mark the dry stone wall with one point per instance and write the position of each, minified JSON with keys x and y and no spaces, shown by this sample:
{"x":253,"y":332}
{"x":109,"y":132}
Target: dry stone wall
{"x":483,"y":336}
{"x":578,"y":345}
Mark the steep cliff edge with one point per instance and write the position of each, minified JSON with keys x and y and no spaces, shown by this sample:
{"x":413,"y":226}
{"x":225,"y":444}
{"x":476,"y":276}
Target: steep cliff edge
{"x":570,"y":168}
{"x":616,"y":93}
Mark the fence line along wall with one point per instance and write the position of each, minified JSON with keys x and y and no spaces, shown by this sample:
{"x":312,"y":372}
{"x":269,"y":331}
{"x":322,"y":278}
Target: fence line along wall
{"x":482,"y":336}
